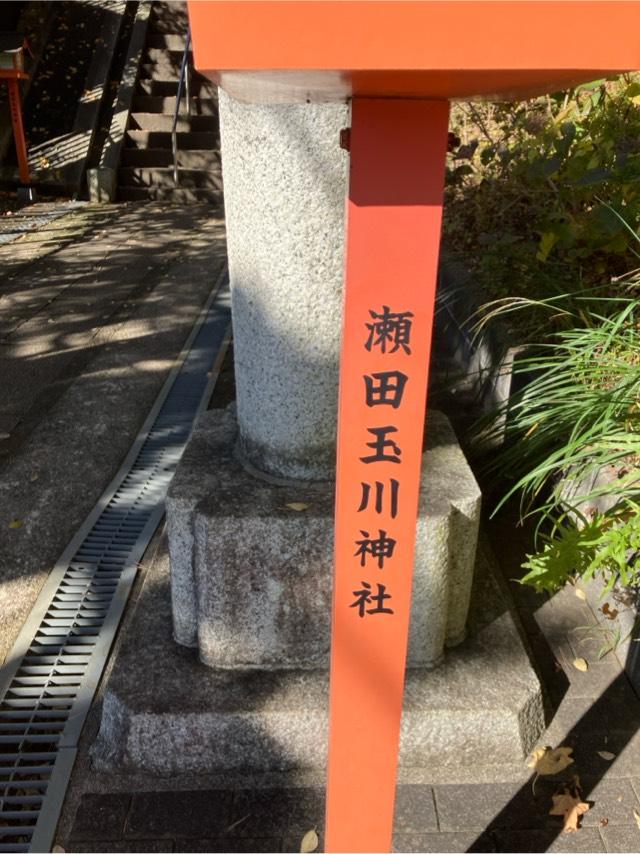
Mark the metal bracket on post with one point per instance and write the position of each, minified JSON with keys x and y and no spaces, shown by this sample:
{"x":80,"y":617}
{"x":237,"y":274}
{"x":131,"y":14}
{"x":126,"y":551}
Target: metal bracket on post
{"x":398,"y":150}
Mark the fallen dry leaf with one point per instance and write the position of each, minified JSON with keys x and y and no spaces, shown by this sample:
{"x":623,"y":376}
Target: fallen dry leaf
{"x":580,"y":593}
{"x":309,"y":841}
{"x":610,"y":613}
{"x":546,"y":760}
{"x":299,"y":506}
{"x":16,"y":523}
{"x":581,"y":664}
{"x":636,"y":815}
{"x":604,"y":754}
{"x":570,"y":808}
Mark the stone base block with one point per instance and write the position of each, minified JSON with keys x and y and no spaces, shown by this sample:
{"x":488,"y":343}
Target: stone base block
{"x":165,"y":713}
{"x":251,"y":558}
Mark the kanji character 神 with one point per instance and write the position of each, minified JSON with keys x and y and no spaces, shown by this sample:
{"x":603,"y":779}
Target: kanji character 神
{"x":378,"y":549}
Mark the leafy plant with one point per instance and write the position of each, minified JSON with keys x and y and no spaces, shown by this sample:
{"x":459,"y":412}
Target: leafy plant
{"x":572,"y":453}
{"x":543,"y":198}
{"x":607,"y":545}
{"x":579,"y":412}
{"x":538,"y":192}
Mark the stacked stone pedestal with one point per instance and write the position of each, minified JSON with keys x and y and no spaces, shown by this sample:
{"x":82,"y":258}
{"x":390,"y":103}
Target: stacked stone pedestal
{"x":251,"y":514}
{"x":251,"y":558}
{"x":251,"y":589}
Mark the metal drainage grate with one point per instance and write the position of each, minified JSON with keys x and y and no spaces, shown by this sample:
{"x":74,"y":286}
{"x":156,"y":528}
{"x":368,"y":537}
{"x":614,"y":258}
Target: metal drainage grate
{"x":27,"y":220}
{"x":52,"y":672}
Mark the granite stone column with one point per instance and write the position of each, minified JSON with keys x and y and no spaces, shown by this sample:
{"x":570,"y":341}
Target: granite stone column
{"x":285,"y":182}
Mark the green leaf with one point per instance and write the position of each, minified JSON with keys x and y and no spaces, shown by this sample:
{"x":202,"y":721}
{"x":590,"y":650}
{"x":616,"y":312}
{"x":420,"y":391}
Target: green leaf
{"x":632,"y":90}
{"x":594,"y":176}
{"x":486,"y":155}
{"x":564,"y":556}
{"x":547,"y":242}
{"x":590,"y":87}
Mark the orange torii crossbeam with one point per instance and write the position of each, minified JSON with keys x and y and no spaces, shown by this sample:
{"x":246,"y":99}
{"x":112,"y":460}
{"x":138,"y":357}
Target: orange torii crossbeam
{"x":398,"y":150}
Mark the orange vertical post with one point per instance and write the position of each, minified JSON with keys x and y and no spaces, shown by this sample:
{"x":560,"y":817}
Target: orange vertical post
{"x":398,"y":149}
{"x":18,"y":130}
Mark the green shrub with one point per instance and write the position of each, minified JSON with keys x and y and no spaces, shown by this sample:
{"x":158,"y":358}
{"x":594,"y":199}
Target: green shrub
{"x":537,"y":189}
{"x":578,"y":415}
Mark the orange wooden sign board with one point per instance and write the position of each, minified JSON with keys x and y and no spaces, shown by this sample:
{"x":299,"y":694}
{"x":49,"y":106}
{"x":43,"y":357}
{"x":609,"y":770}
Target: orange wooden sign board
{"x":398,"y":150}
{"x":400,"y":61}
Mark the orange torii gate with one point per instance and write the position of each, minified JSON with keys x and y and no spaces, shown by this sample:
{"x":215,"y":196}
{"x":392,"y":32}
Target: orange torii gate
{"x":400,"y":61}
{"x":12,"y":46}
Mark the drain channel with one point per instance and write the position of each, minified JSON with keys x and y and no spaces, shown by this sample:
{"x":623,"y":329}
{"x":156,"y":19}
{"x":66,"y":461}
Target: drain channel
{"x":29,"y":220}
{"x":50,"y":677}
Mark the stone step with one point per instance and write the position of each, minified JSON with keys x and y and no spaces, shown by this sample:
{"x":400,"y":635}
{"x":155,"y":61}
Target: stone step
{"x":167,"y":28}
{"x":165,"y":72}
{"x":200,"y":87}
{"x":168,"y":19}
{"x":162,"y":139}
{"x":162,"y":88}
{"x":131,"y":176}
{"x":164,"y":55}
{"x":169,"y":41}
{"x":177,"y":196}
{"x":164,"y":122}
{"x":166,"y":105}
{"x":188,"y":159}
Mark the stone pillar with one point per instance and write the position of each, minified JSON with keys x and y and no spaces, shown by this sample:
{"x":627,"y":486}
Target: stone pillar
{"x":285,"y":182}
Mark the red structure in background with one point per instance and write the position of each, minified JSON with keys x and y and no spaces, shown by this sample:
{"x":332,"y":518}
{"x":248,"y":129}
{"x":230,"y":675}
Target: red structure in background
{"x":400,"y":61}
{"x":12,"y":47}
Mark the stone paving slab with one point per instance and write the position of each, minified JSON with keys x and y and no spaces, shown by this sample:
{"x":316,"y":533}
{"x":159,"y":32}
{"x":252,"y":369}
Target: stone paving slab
{"x":440,"y":818}
{"x":444,"y":843}
{"x":613,"y":803}
{"x":150,"y":845}
{"x":226,"y":845}
{"x":586,"y":840}
{"x":102,"y":818}
{"x":492,"y":805}
{"x":415,"y":810}
{"x":158,"y":815}
{"x":622,"y":839}
{"x":269,"y":812}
